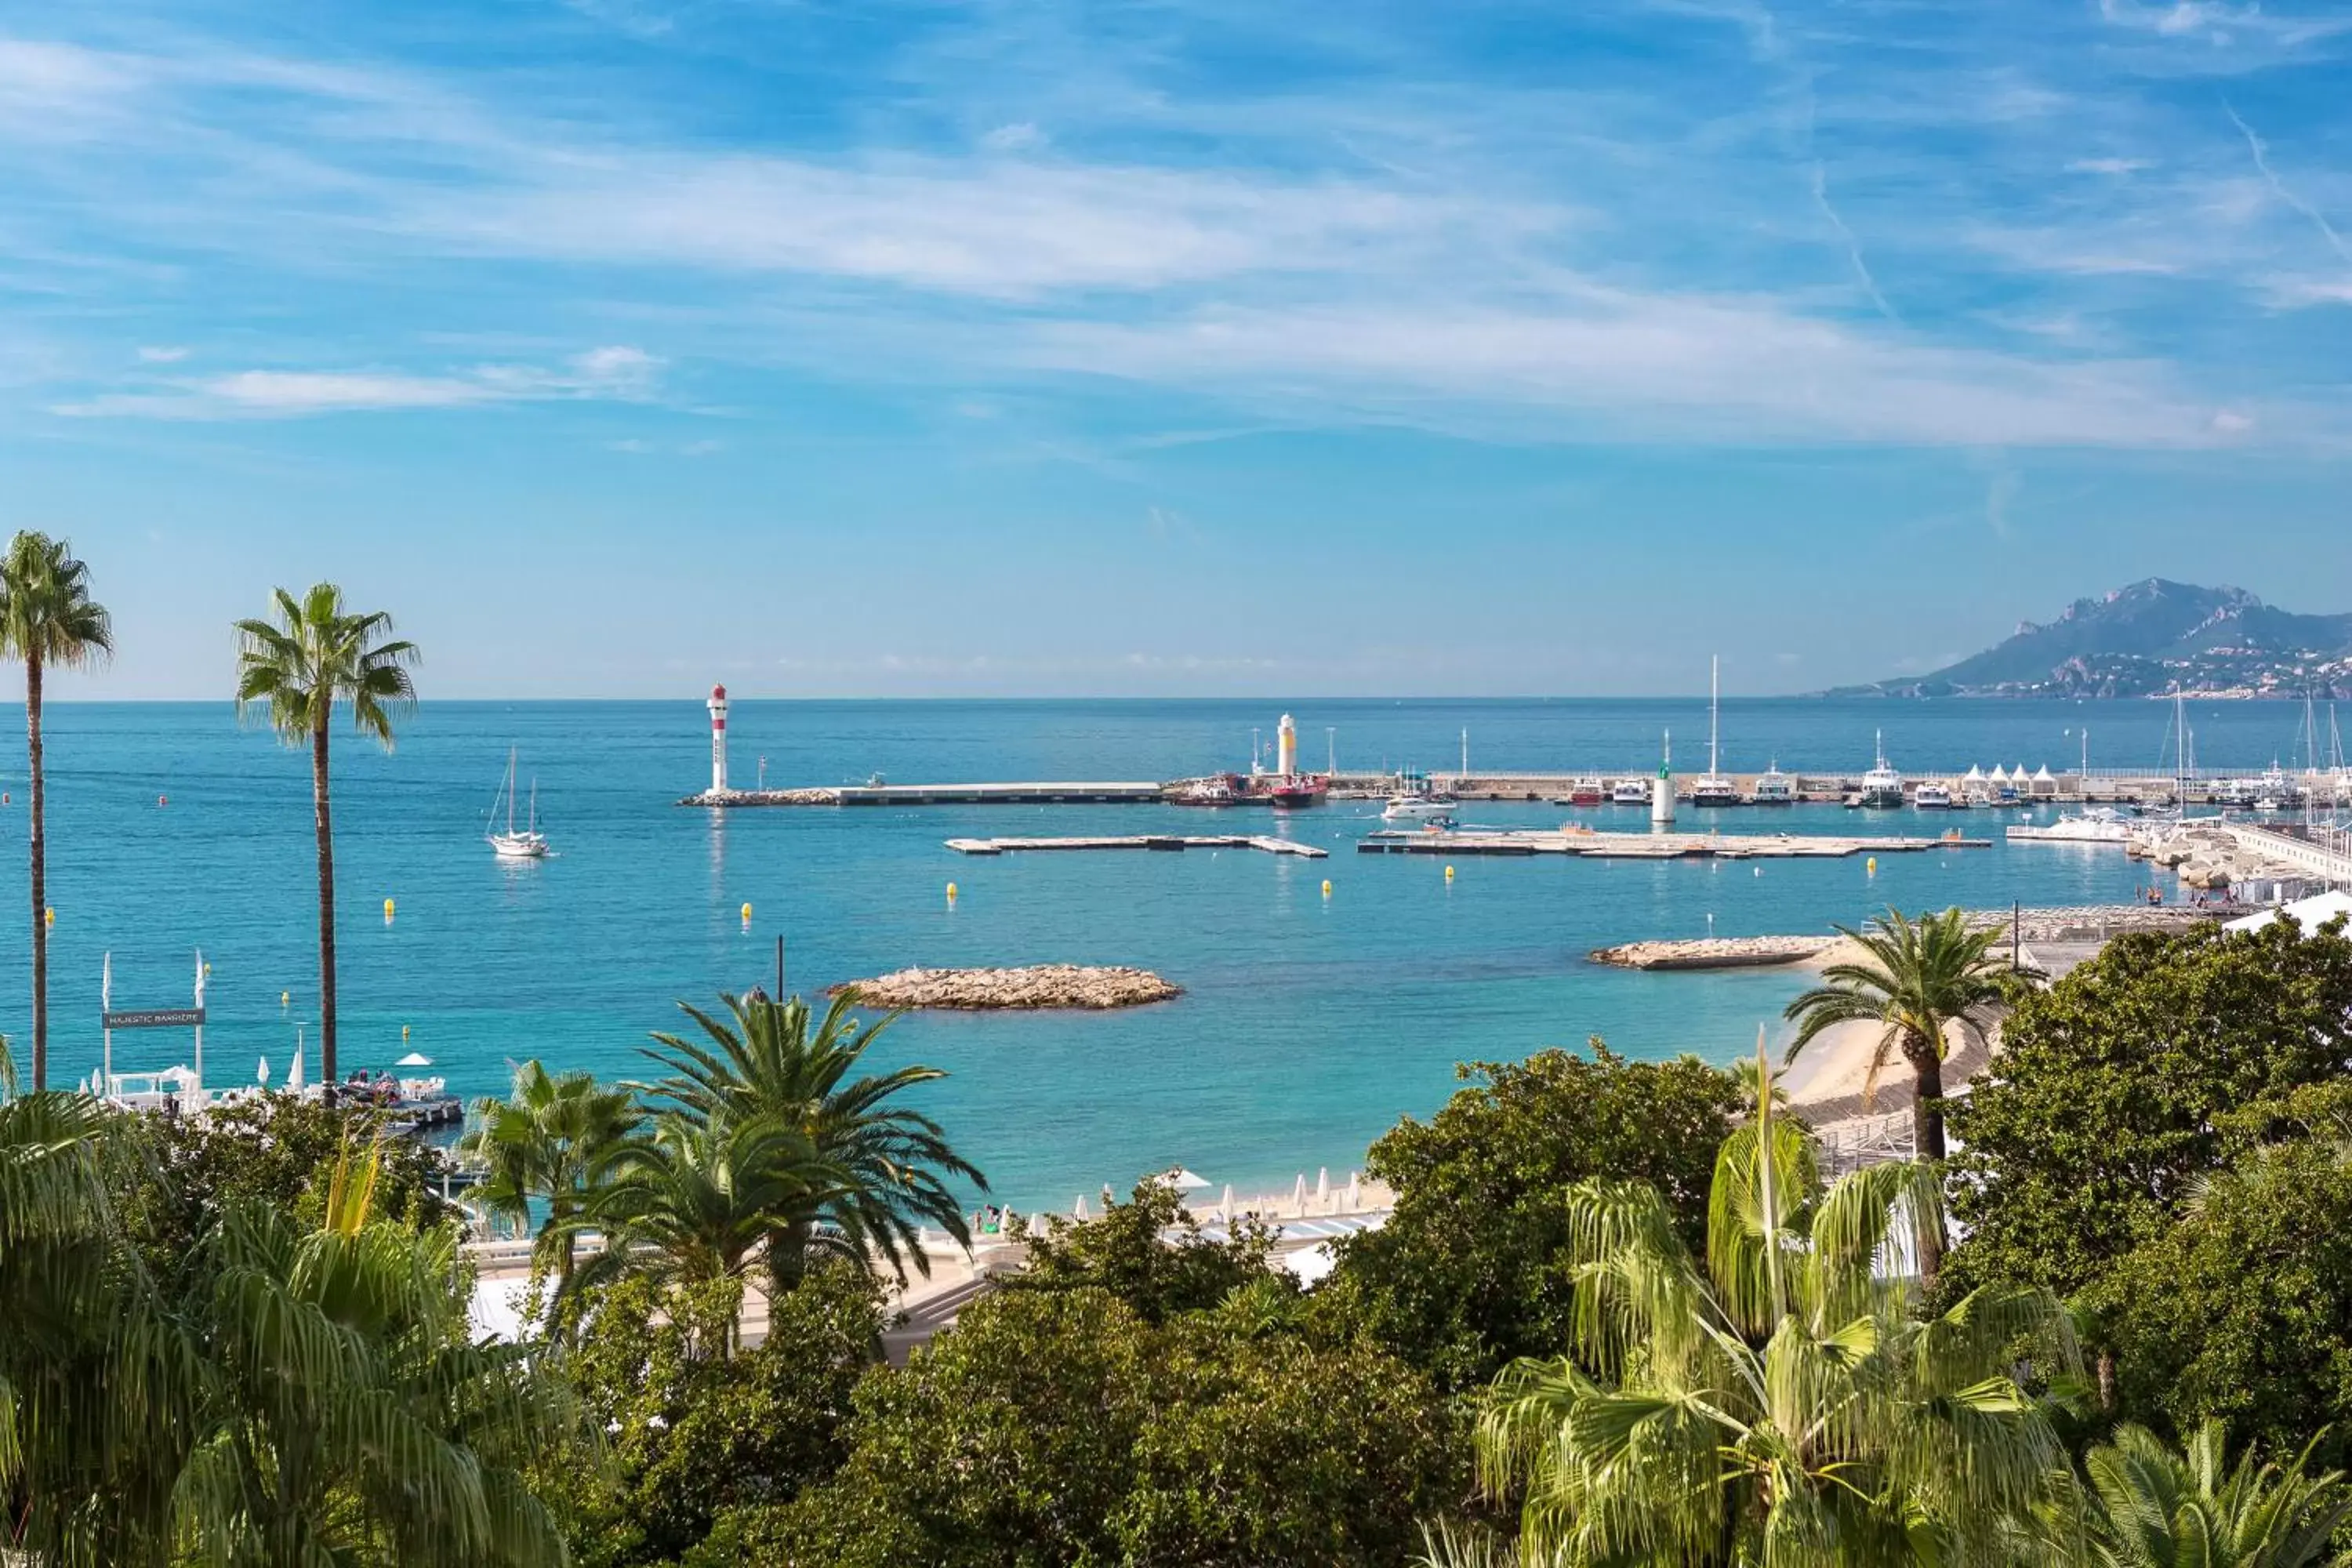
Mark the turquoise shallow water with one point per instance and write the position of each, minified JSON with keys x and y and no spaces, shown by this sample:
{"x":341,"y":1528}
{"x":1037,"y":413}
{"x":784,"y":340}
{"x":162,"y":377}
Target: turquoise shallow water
{"x":1308,"y":1027}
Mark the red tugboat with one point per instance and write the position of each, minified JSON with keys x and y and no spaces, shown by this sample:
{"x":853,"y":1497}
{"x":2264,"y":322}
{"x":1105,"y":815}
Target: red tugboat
{"x":1287,"y":791}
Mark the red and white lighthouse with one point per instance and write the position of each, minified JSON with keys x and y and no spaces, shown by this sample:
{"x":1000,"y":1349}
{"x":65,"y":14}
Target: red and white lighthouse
{"x":718,"y":706}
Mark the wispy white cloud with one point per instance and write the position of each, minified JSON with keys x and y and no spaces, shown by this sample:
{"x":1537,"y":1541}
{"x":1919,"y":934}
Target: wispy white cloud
{"x":2261,"y":151}
{"x":2109,"y":165}
{"x":162,"y":353}
{"x":614,"y":372}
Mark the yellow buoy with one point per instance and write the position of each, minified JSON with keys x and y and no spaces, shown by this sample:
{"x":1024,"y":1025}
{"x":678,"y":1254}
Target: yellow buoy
{"x":747,"y":914}
{"x":387,"y":909}
{"x":1449,"y":873}
{"x":404,"y":1033}
{"x":1327,"y":887}
{"x":284,"y":997}
{"x":951,"y":893}
{"x":1871,"y":865}
{"x":49,"y":916}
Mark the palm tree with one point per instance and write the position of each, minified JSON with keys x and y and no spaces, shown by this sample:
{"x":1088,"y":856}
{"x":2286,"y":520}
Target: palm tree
{"x":47,"y":619}
{"x":351,"y":1413}
{"x":542,"y":1141}
{"x":1777,"y":1401}
{"x":1918,"y":979}
{"x":316,"y":654}
{"x":693,"y":1202}
{"x":762,"y":1061}
{"x":2150,"y":1506}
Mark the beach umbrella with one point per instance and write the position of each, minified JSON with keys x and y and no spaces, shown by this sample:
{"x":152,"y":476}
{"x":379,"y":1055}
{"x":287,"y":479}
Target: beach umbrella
{"x":1079,"y":1211}
{"x":1323,"y":1187}
{"x":415,"y":1059}
{"x":1225,"y":1209}
{"x":1299,"y":1194}
{"x":1355,"y":1190}
{"x":1184,"y":1181}
{"x":262,"y":1072}
{"x":294,"y":1073}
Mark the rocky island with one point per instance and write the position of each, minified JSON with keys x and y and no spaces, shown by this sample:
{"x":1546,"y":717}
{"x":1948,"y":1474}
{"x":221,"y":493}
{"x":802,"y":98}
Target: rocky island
{"x":1038,"y":986}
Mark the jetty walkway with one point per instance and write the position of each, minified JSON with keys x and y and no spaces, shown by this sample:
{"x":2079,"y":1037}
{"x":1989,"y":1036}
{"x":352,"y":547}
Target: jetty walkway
{"x":1652,"y":845}
{"x":1164,"y":842}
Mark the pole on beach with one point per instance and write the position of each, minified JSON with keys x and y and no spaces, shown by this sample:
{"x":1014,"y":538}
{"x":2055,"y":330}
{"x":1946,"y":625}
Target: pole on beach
{"x":2016,"y":935}
{"x":780,"y":966}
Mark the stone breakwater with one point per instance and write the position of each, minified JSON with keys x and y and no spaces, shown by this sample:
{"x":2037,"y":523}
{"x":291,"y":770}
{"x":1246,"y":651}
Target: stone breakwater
{"x":1040,"y":986}
{"x":764,"y":798}
{"x":2094,"y":922}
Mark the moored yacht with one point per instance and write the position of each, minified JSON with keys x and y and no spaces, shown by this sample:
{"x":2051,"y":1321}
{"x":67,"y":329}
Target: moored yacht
{"x":526,"y":843}
{"x":1630,"y":792}
{"x":1417,"y":808}
{"x":1774,"y":787}
{"x":2096,"y":824}
{"x":1591,"y":789}
{"x":1881,"y":786}
{"x":1931,"y":797}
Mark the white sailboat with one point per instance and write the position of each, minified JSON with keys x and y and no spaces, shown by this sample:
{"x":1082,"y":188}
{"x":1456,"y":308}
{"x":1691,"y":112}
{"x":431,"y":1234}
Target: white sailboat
{"x":1714,"y":789}
{"x":528,"y":843}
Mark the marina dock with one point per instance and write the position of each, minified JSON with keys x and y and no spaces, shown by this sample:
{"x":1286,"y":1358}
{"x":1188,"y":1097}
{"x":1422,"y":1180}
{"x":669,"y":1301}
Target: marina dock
{"x":1653,"y":846}
{"x":1140,"y":841}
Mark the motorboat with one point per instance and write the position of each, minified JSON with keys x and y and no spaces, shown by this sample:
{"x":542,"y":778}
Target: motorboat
{"x":1630,"y":792}
{"x":1216,"y":790}
{"x":1417,"y":808}
{"x":1287,"y":790}
{"x":1774,"y":787}
{"x":2095,"y":824}
{"x":526,"y":843}
{"x":1589,"y":790}
{"x":1881,"y":786}
{"x":1931,"y":797}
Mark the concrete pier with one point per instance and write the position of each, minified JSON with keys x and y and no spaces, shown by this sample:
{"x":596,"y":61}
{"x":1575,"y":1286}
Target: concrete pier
{"x":1140,"y":841}
{"x":1654,"y":846}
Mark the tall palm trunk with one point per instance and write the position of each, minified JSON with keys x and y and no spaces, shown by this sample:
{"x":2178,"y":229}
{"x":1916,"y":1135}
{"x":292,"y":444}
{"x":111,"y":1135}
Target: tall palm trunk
{"x":39,"y":836}
{"x":328,"y":1076}
{"x":1927,"y":1135}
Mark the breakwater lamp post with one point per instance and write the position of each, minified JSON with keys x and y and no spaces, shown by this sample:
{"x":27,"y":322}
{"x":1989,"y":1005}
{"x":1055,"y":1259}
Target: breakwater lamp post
{"x":718,"y":706}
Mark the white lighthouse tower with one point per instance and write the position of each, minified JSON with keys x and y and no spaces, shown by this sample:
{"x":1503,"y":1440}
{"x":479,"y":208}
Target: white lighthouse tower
{"x":1285,"y":748}
{"x":718,"y":706}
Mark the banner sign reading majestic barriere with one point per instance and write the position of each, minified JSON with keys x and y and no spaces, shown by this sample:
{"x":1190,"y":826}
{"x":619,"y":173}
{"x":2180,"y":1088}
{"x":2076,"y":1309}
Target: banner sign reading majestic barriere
{"x":157,"y":1019}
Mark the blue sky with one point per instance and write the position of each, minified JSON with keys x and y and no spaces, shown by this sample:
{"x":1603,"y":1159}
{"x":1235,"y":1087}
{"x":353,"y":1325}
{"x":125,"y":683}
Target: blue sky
{"x":621,"y":345}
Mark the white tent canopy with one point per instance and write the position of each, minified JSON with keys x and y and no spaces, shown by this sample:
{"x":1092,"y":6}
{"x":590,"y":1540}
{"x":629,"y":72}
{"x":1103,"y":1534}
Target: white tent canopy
{"x":2309,"y":914}
{"x":2042,"y":775}
{"x":1976,"y":774}
{"x":1998,"y":776}
{"x":415,"y":1059}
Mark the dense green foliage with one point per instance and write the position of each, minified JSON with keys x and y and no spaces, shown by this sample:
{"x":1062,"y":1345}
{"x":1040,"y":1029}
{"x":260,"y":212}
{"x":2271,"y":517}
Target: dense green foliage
{"x":2242,"y":1309}
{"x":543,"y":1144}
{"x":1467,"y":1274}
{"x":691,"y":1435}
{"x":1780,"y":1401}
{"x":1149,"y":1252}
{"x":2148,"y":1504}
{"x":277,"y":1149}
{"x":2124,"y":1085}
{"x":1061,"y":1427}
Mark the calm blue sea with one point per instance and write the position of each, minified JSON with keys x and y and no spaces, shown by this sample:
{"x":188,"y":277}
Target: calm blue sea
{"x":1307,"y":1027}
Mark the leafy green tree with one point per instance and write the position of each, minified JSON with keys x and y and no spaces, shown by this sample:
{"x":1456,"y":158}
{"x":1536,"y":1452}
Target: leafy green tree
{"x":2127,"y":1082}
{"x":542,"y":1142}
{"x":1777,"y":1402}
{"x":1061,"y":1428}
{"x":1150,"y":1253}
{"x":693,"y":1436}
{"x":1917,"y":981}
{"x":2241,"y":1309}
{"x":47,"y":621}
{"x":350,"y":1415}
{"x":762,"y":1060}
{"x":1273,"y":1449}
{"x":180,"y":1172}
{"x":295,"y":670}
{"x":1465,"y":1277}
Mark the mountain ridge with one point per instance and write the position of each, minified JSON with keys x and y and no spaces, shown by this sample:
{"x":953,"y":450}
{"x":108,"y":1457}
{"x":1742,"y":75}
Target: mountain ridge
{"x":2148,"y":638}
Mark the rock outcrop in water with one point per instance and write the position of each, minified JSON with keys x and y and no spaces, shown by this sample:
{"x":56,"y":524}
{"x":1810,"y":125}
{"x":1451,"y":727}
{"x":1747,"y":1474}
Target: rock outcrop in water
{"x":1038,"y":986}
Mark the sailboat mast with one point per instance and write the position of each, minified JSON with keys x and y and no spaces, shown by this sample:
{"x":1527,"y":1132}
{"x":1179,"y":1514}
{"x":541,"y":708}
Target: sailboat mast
{"x":510,"y":778}
{"x":1714,"y":693}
